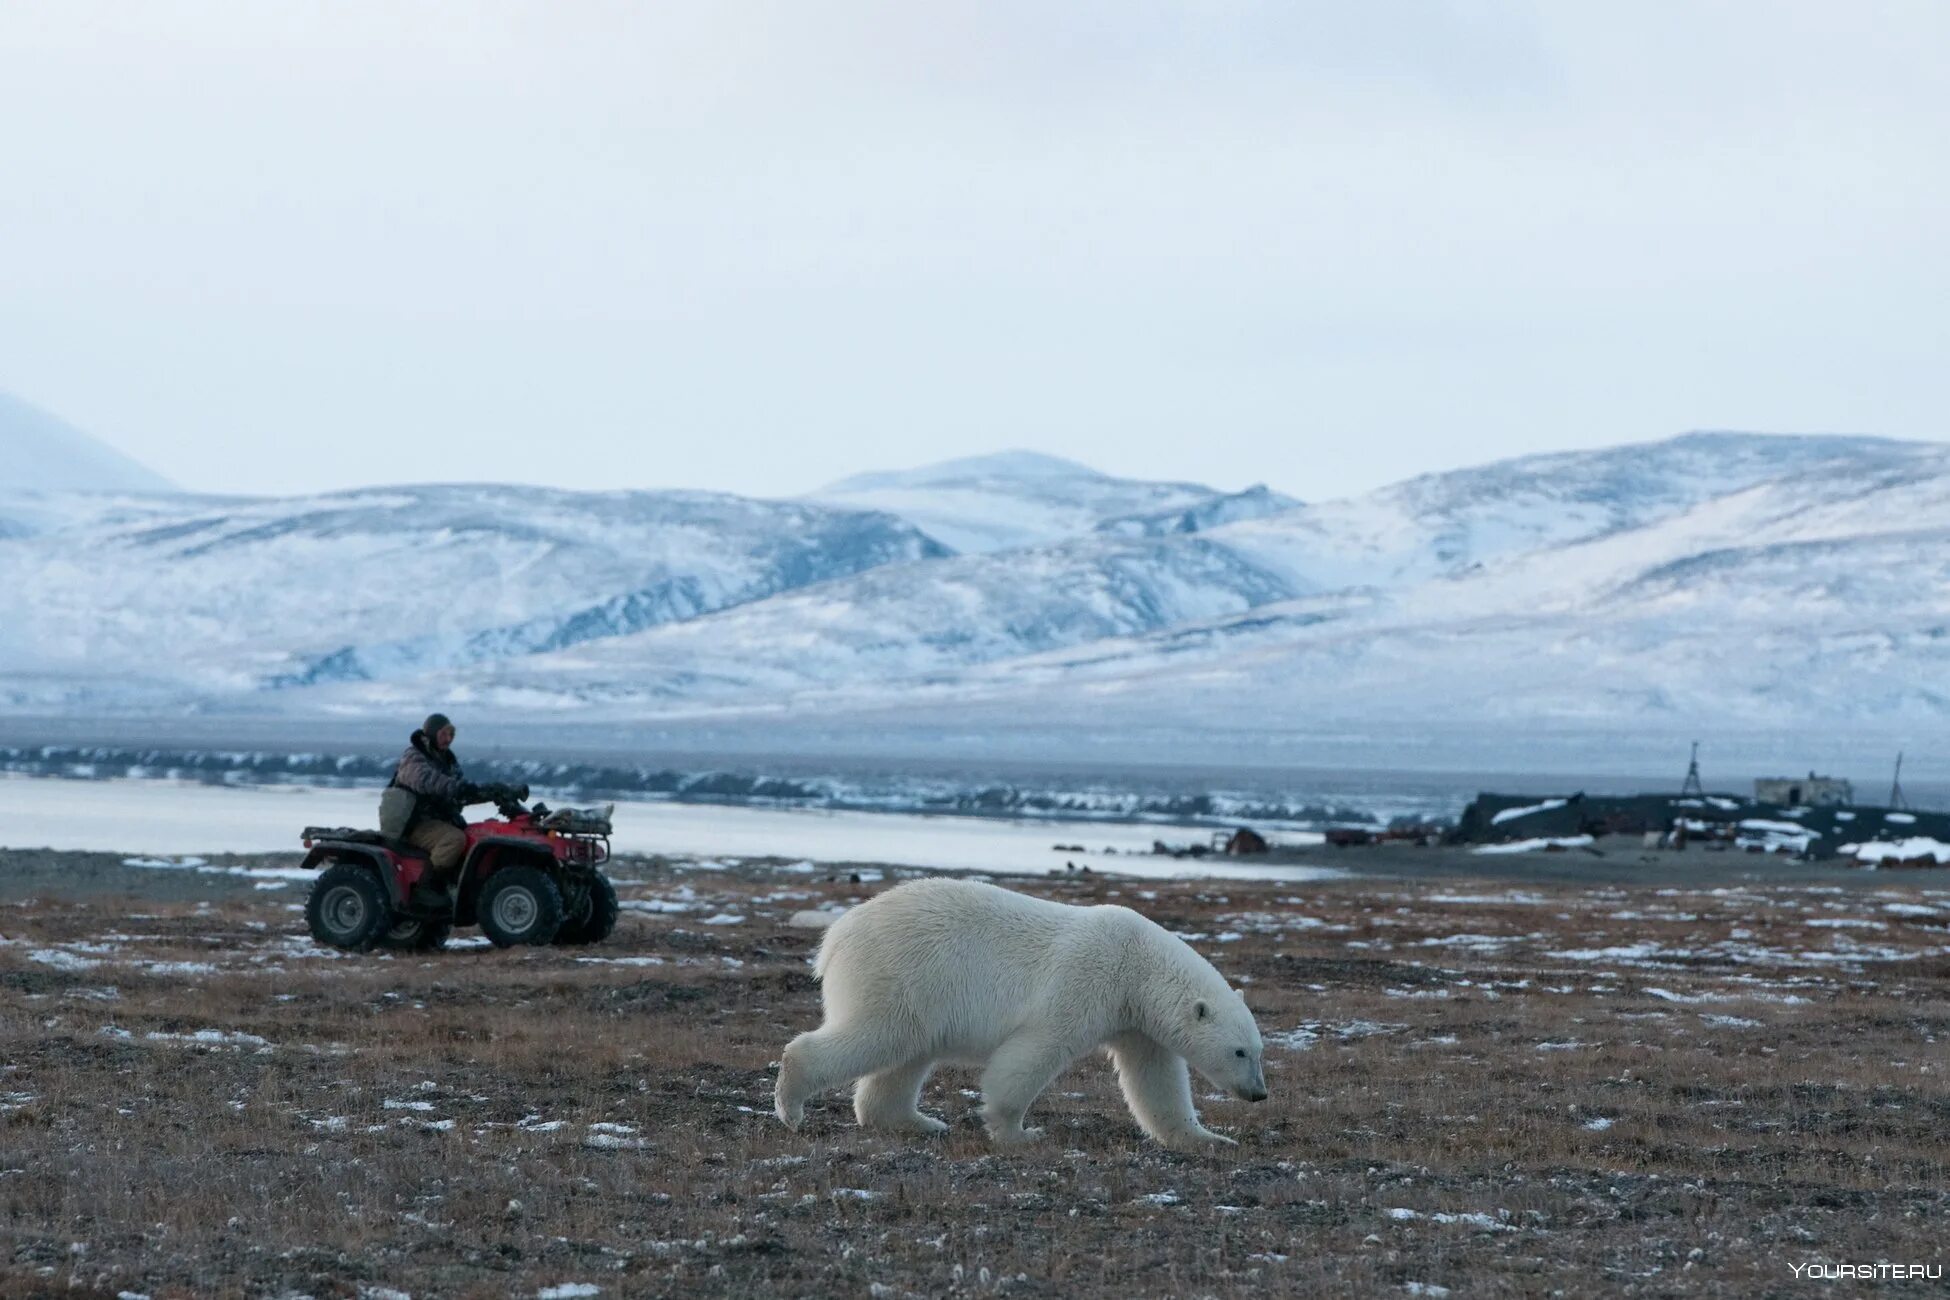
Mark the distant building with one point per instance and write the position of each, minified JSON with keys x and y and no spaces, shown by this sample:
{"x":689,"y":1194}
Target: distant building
{"x":1808,"y":791}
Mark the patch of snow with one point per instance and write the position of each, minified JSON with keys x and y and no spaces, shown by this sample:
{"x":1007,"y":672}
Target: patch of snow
{"x":1534,"y":846}
{"x":1511,"y":814}
{"x":61,"y":960}
{"x":1474,"y":1220}
{"x":200,"y":1038}
{"x":611,"y":1142}
{"x":1632,"y":952}
{"x":1908,"y":850}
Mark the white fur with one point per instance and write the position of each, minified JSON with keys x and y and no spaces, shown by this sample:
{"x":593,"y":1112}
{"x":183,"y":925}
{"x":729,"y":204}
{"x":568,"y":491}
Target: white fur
{"x":955,"y":971}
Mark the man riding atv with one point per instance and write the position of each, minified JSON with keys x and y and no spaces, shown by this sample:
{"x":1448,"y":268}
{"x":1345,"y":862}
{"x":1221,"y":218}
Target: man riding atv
{"x":423,"y":803}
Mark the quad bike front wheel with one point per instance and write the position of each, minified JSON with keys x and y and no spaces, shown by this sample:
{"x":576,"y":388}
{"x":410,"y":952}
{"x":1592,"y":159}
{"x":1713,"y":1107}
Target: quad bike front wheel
{"x":520,"y":905}
{"x":598,"y":916}
{"x":348,"y":908}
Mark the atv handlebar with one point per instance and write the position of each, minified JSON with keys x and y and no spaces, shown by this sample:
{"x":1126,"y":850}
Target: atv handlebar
{"x":505,"y":798}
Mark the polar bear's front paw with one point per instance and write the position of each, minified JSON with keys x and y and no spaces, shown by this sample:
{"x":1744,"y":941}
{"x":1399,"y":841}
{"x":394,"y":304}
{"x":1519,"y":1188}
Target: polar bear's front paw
{"x":1015,"y":1137}
{"x":791,"y":1113}
{"x":925,"y":1125}
{"x":1198,"y":1139}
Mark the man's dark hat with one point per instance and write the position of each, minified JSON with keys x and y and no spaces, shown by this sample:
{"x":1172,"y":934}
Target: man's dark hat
{"x":433,"y":725}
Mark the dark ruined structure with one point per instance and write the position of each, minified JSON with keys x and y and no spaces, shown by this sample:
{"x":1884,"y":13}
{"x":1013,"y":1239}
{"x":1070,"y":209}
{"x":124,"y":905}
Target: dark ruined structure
{"x":1815,"y":831}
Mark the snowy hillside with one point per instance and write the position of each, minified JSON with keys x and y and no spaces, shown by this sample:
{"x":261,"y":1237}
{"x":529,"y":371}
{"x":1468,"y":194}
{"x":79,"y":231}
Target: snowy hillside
{"x":201,"y":596}
{"x":1443,"y":524}
{"x":895,"y":623}
{"x":1817,"y":601}
{"x":1164,"y":619}
{"x":1007,"y":500}
{"x":1713,"y":581}
{"x":1257,"y":502}
{"x":41,"y":453}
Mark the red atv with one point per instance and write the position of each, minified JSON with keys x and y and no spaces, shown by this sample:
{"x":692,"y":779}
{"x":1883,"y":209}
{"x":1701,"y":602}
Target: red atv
{"x":529,"y":876}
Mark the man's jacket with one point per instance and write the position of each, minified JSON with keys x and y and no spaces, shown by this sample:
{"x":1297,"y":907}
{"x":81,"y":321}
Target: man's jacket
{"x":433,"y":775}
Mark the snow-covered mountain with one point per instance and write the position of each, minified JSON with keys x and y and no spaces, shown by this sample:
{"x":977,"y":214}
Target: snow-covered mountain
{"x":1256,"y":502}
{"x":898,"y":623}
{"x":1814,"y":604}
{"x":1438,"y":525}
{"x":1354,"y":601}
{"x":40,"y":452}
{"x":201,"y":597}
{"x":1010,"y":499}
{"x":1782,"y":585}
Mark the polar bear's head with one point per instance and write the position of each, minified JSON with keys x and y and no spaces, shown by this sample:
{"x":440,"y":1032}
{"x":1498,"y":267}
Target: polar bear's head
{"x":1218,"y":1038}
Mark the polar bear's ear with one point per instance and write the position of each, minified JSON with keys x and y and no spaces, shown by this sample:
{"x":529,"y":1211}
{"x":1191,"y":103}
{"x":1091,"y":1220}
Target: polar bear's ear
{"x":1200,"y":1011}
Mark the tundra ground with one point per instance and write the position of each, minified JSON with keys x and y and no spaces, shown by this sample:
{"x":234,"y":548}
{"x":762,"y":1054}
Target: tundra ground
{"x":1493,"y":1088}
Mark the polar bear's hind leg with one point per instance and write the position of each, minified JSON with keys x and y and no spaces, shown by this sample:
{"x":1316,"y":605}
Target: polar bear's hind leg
{"x":826,"y":1058}
{"x":891,"y":1099}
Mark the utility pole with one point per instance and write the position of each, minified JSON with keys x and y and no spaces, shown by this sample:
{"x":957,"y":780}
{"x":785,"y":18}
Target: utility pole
{"x":1693,"y":786}
{"x":1896,"y":796}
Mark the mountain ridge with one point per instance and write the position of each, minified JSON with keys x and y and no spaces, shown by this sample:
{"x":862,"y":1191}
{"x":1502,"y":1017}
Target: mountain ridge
{"x":1591,"y":590}
{"x":41,"y":452}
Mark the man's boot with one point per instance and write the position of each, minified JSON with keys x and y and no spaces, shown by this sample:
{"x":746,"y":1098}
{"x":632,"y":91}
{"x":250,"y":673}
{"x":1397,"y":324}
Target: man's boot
{"x":432,"y":892}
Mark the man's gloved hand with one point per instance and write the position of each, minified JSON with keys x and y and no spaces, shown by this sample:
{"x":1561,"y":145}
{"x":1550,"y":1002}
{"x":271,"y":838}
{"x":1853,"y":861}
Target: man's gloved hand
{"x":471,"y":793}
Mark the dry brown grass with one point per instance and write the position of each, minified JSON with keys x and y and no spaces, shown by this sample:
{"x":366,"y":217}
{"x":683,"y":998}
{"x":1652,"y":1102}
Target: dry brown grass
{"x":1589,"y":1123}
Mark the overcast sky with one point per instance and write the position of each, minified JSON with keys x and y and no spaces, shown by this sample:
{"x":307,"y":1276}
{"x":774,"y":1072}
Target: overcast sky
{"x":756,"y":246}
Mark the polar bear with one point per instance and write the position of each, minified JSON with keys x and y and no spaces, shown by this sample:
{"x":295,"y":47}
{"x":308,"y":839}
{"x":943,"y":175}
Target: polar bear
{"x":957,"y":971}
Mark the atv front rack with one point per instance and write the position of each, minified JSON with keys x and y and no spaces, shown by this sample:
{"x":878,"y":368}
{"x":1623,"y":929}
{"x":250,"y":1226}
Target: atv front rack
{"x":580,"y":821}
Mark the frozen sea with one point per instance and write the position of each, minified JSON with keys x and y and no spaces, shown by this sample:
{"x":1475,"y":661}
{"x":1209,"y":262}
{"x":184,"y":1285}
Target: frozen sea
{"x":181,"y":817}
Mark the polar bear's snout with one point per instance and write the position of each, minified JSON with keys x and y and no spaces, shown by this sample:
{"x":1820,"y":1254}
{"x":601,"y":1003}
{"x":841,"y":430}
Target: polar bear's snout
{"x":1254,"y":1089}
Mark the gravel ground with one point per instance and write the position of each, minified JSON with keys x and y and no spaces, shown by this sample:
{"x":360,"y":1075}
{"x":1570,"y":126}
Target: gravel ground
{"x":1500,"y":1086}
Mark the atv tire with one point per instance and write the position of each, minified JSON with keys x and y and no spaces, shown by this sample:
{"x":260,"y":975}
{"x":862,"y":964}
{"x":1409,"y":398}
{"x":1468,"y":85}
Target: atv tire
{"x":417,"y":934}
{"x":520,"y":905}
{"x":348,"y":908}
{"x":597,"y":919}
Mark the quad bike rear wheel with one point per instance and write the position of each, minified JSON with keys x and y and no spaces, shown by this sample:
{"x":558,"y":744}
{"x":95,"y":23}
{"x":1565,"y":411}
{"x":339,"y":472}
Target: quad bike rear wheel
{"x":598,"y":916}
{"x":348,"y":908}
{"x":520,"y":905}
